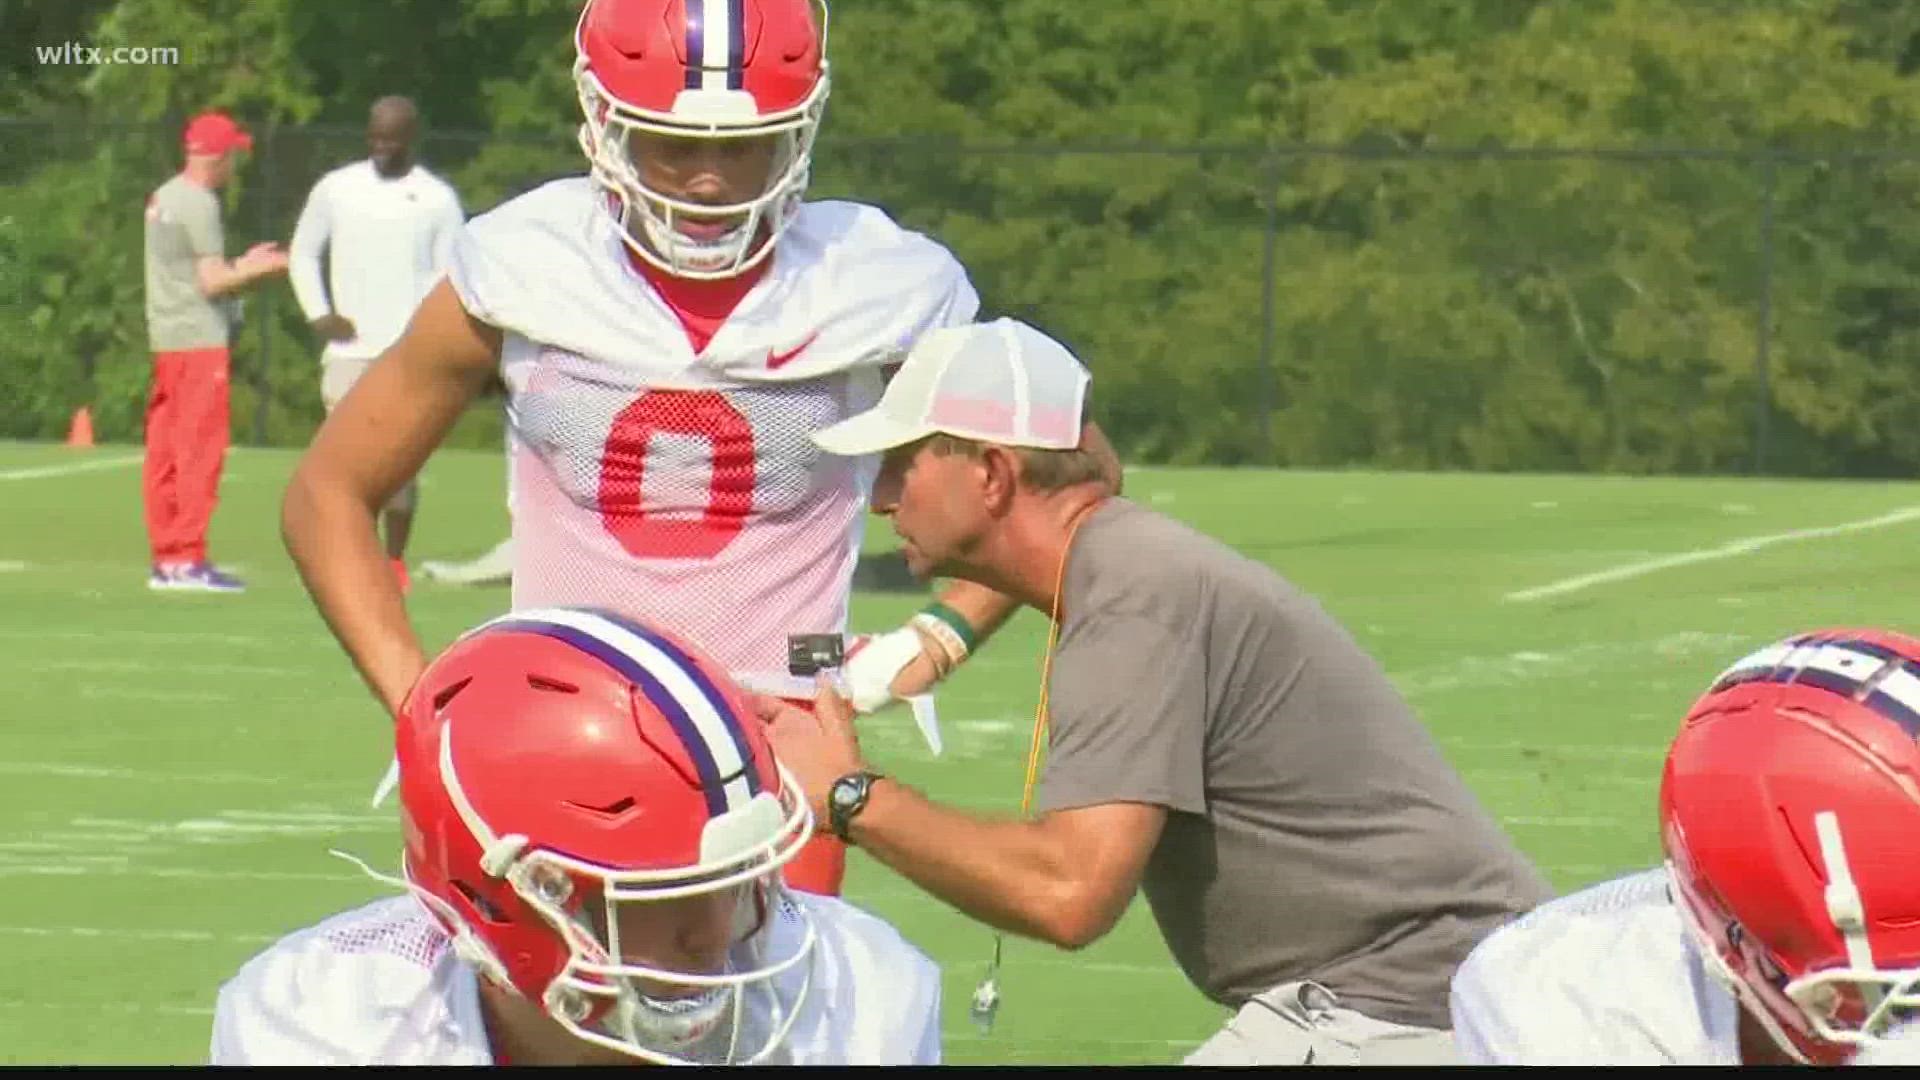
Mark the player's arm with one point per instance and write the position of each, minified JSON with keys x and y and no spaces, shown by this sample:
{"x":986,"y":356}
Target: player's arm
{"x":375,"y":440}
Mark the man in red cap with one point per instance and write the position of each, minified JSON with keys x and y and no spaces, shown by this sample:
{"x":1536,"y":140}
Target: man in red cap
{"x":191,"y":300}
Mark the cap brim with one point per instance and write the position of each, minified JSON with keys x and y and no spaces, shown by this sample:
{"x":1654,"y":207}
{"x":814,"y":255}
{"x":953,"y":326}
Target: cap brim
{"x":871,"y":432}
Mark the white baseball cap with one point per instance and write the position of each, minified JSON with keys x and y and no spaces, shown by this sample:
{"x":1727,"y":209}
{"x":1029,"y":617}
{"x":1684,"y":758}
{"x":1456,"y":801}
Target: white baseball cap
{"x":1000,"y":382}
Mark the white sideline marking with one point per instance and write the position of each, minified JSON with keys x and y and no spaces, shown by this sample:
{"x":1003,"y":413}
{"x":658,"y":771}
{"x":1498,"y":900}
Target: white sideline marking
{"x":11,"y":566}
{"x":232,"y":824}
{"x":1467,"y":672}
{"x":64,"y":470}
{"x":41,"y":869}
{"x":119,"y":934}
{"x":164,"y":637}
{"x":107,"y":1006}
{"x":1728,"y":550}
{"x":174,"y":697}
{"x":135,"y":667}
{"x":98,"y":772}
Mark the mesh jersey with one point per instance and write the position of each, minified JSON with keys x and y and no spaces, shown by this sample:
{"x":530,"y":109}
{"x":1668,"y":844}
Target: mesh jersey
{"x":381,"y":985}
{"x":1605,"y":976}
{"x":681,"y":488}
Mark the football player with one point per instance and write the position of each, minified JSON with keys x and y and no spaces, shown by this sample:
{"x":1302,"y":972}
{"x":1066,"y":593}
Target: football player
{"x":1785,"y":925}
{"x":593,"y":827}
{"x":671,"y":329}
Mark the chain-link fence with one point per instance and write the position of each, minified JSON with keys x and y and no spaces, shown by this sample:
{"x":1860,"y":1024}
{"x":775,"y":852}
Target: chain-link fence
{"x":1649,"y":310}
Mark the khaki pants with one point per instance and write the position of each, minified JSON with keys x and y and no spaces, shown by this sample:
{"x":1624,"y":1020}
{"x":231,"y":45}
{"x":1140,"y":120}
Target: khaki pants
{"x":1301,"y":1023}
{"x":337,"y":376}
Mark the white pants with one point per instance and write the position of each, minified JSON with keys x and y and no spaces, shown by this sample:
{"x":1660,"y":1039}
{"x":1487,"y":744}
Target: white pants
{"x":1301,"y":1023}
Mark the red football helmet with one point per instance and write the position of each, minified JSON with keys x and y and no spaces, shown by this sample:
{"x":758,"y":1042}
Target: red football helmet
{"x":1790,"y":815}
{"x":562,"y":769}
{"x":704,"y":69}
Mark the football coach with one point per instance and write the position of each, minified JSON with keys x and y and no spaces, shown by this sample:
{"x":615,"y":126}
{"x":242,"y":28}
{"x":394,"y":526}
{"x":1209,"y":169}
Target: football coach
{"x":1214,"y":738}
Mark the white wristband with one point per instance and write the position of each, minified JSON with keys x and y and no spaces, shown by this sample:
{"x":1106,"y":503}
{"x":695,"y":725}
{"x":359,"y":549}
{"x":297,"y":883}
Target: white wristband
{"x":949,"y":640}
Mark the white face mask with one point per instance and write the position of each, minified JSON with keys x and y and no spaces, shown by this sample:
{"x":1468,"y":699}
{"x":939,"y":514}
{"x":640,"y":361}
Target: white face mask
{"x":649,"y":219}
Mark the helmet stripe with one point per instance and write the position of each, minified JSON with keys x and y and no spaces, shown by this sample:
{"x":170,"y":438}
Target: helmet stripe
{"x":716,"y":48}
{"x":1876,"y":676}
{"x":722,"y":711}
{"x":696,"y":41}
{"x":736,"y":44}
{"x":672,"y":682}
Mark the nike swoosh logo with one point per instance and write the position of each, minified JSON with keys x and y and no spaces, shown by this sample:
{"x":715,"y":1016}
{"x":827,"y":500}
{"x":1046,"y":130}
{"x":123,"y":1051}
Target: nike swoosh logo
{"x":778,"y":360}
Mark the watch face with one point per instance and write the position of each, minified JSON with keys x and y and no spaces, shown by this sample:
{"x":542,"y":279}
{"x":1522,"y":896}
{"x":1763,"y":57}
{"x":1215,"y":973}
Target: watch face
{"x":844,"y":792}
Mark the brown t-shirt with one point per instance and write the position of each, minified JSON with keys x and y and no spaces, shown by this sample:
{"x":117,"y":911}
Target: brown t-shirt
{"x":1314,"y":829}
{"x":183,"y":227}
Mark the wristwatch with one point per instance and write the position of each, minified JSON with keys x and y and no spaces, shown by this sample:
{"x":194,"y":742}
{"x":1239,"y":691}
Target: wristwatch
{"x":847,"y":797}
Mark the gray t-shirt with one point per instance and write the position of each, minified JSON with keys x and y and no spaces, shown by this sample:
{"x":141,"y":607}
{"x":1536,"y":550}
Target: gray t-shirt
{"x":183,"y":227}
{"x":1314,"y":829}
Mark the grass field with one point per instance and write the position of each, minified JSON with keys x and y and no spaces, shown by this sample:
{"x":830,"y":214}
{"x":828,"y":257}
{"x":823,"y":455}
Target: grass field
{"x":174,"y":767}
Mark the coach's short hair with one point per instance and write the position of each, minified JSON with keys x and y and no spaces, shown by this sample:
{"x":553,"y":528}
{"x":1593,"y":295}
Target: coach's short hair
{"x":1041,"y":470}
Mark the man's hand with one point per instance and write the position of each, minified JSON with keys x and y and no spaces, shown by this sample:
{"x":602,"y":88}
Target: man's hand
{"x":817,"y":748}
{"x":262,"y":259}
{"x":334,"y":326}
{"x":883,"y":668}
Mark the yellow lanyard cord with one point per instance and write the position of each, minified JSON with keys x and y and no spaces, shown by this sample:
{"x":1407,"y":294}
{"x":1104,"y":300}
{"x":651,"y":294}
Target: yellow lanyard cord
{"x":1040,"y":715}
{"x":986,"y":996}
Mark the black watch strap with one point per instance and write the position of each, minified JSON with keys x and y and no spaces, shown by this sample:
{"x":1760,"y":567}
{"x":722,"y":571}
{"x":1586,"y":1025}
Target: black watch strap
{"x":847,"y":798}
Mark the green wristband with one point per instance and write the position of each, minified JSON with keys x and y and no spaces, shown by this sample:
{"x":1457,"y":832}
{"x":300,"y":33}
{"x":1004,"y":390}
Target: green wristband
{"x":955,"y":620}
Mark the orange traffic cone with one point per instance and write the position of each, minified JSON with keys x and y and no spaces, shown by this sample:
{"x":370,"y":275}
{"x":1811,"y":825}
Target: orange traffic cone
{"x":80,"y":432}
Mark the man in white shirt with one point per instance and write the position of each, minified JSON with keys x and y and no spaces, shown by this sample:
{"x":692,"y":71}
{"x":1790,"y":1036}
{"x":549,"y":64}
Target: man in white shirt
{"x":387,"y":225}
{"x":594,"y":828}
{"x":1785,"y":926}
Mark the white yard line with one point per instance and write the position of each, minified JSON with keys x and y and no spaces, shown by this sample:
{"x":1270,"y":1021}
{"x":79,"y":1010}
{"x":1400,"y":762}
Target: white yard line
{"x":135,"y":1008}
{"x":1526,"y":665}
{"x":1731,"y":549}
{"x":130,"y":934}
{"x":64,"y":868}
{"x":101,"y":772}
{"x":70,"y":468}
{"x":135,"y":667}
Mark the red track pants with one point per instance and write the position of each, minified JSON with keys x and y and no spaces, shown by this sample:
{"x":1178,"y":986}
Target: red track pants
{"x":186,"y":436}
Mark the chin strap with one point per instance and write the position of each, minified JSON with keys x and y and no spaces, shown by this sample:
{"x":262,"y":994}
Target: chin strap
{"x":466,"y":944}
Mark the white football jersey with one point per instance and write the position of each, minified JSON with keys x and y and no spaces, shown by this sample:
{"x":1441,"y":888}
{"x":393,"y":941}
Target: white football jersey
{"x":1604,"y":976}
{"x":679,"y":488}
{"x":380,"y":985}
